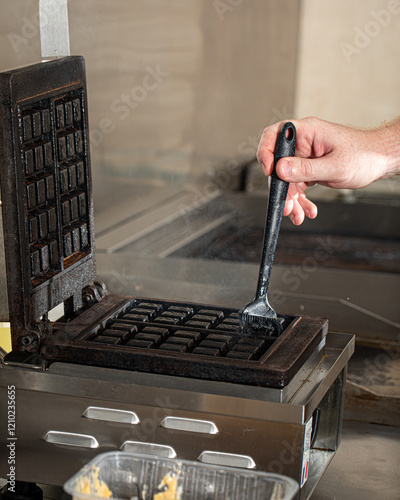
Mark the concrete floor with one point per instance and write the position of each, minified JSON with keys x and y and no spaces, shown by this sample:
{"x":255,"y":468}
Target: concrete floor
{"x":366,"y":466}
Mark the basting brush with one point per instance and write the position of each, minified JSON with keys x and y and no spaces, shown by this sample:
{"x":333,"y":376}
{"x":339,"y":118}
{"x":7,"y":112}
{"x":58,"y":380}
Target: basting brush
{"x":258,"y":317}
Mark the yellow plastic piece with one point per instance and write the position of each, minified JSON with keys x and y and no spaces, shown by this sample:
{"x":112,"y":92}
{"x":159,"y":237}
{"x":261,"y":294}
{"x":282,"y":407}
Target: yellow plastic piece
{"x":5,"y":336}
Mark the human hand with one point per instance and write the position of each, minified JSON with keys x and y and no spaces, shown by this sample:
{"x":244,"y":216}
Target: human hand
{"x":331,"y":155}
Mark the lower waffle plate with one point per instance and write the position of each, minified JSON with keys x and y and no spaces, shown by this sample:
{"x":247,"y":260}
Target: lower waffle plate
{"x":183,"y":339}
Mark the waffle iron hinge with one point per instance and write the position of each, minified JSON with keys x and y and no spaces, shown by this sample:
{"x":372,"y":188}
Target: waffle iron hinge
{"x":35,"y":334}
{"x":43,"y":329}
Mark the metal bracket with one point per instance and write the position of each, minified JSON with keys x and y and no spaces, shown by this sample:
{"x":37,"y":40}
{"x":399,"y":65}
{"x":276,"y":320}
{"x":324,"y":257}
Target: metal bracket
{"x":25,"y":360}
{"x":54,"y":32}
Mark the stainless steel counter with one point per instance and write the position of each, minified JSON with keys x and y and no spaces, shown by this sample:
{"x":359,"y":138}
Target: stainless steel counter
{"x":364,"y":468}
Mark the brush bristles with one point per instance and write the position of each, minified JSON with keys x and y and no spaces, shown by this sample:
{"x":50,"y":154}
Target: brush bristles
{"x":258,"y":318}
{"x":261,"y":326}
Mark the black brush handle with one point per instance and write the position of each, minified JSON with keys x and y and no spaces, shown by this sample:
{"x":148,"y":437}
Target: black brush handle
{"x":285,"y":146}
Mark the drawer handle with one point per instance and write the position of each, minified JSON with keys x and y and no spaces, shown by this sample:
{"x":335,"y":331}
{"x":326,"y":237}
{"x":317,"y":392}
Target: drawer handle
{"x":111,"y":415}
{"x":71,"y":439}
{"x":189,"y":425}
{"x":158,"y":450}
{"x":227,"y":459}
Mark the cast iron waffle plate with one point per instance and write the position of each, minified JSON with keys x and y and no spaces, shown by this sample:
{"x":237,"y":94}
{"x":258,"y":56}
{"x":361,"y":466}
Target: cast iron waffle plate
{"x":54,"y":188}
{"x":45,"y":190}
{"x":182,"y":339}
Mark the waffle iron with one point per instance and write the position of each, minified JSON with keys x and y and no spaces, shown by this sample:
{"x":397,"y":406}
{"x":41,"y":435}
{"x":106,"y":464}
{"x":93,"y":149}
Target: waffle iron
{"x":48,"y":227}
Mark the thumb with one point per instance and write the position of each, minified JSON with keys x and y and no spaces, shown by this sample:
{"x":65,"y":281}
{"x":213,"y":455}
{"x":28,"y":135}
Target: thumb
{"x":295,"y":169}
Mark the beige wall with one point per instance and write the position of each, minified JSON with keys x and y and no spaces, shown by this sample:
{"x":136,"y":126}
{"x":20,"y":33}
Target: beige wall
{"x":179,"y":87}
{"x":19,"y":33}
{"x":224,"y":69}
{"x":349,"y":61}
{"x":223,"y":75}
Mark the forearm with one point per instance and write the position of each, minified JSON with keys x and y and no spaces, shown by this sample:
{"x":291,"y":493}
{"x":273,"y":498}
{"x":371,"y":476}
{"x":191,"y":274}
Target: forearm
{"x":390,"y":135}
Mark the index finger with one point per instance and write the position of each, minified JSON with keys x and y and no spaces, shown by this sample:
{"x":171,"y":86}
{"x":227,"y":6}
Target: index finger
{"x":266,"y":147}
